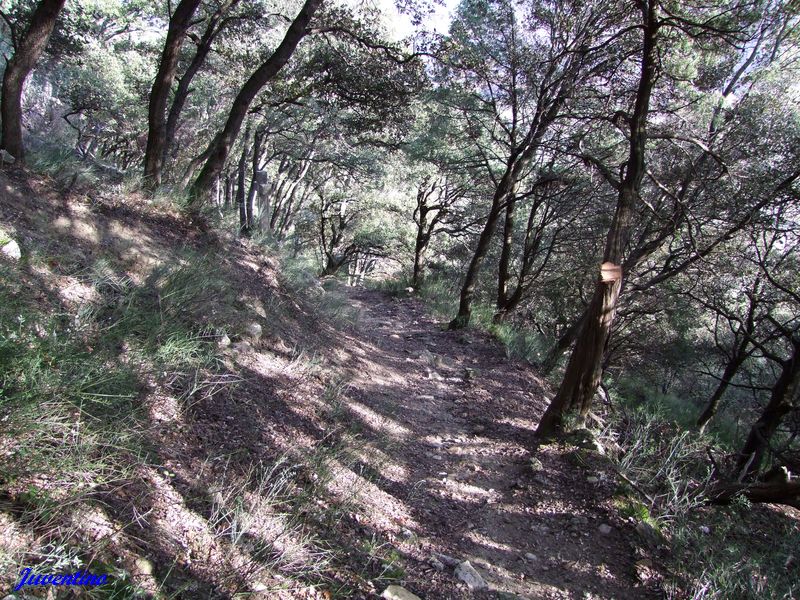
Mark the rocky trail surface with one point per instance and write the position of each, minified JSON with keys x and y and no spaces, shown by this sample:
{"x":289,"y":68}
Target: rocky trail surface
{"x":449,"y":422}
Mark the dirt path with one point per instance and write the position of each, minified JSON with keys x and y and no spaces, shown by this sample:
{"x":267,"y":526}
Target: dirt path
{"x":448,"y":421}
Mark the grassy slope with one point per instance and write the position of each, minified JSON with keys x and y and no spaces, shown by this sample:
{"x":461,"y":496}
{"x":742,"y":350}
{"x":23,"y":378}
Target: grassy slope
{"x":148,"y":431}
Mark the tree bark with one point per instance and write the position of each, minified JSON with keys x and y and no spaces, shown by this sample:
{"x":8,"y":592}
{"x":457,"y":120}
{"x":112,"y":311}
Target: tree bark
{"x":179,"y":23}
{"x":737,"y":358}
{"x":244,"y":218}
{"x":215,"y":25}
{"x":787,"y":493}
{"x":505,"y":257}
{"x":26,"y":54}
{"x":221,"y":145}
{"x":584,"y":368}
{"x":780,"y":404}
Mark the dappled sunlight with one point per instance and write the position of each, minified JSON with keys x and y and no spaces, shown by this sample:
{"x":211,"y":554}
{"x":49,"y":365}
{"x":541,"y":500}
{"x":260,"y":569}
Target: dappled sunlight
{"x":378,"y":422}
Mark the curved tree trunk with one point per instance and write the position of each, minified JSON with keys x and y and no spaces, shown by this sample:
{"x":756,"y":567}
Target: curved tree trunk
{"x":159,"y":94}
{"x":26,"y":54}
{"x":584,"y":368}
{"x":780,"y":404}
{"x":221,"y":145}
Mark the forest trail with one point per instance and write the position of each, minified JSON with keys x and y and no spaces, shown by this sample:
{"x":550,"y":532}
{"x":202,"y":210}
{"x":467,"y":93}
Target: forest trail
{"x":448,"y":421}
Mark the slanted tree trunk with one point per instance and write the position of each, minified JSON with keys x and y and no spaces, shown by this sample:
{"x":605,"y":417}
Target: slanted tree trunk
{"x":584,"y":368}
{"x":780,"y":404}
{"x":26,"y":54}
{"x":221,"y":145}
{"x":216,"y":24}
{"x":739,"y":355}
{"x":179,"y":24}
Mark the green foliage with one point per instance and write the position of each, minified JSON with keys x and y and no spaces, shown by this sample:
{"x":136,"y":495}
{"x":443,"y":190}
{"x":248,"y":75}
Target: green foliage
{"x":724,"y":553}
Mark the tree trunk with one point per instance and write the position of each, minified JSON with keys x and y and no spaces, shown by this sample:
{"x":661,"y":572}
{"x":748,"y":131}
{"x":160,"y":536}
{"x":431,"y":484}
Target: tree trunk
{"x":221,"y":145}
{"x":505,"y":259}
{"x":468,"y":288}
{"x":584,"y":368}
{"x":244,"y":218}
{"x":182,"y":91}
{"x":713,"y":404}
{"x":26,"y":54}
{"x":159,"y":94}
{"x":420,"y":244}
{"x":738,"y":357}
{"x":787,"y":493}
{"x":780,"y":404}
{"x":503,"y":193}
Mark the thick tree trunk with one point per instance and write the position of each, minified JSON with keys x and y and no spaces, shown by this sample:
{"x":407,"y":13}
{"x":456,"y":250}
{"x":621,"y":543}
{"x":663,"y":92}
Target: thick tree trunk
{"x":584,"y":368}
{"x":787,"y":493}
{"x":221,"y":145}
{"x":26,"y":54}
{"x":159,"y":94}
{"x":780,"y":404}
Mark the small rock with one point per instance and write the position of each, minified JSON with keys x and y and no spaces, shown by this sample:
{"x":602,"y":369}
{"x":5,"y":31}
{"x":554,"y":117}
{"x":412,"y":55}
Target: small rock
{"x":396,"y":592}
{"x":143,"y":566}
{"x":410,"y":290}
{"x":426,"y":397}
{"x":253,"y":330}
{"x":447,"y":560}
{"x":592,"y":479}
{"x":650,"y":535}
{"x":605,"y":529}
{"x":467,"y":573}
{"x":531,"y":557}
{"x":436,"y":564}
{"x":407,"y":533}
{"x":6,"y":158}
{"x":224,"y":341}
{"x":536,"y":465}
{"x":705,"y":530}
{"x":11,"y":250}
{"x":242,"y":347}
{"x":479,"y":428}
{"x":259,"y":586}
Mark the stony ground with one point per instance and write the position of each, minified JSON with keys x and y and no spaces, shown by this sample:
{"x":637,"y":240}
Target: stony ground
{"x":403,"y":450}
{"x":449,"y":421}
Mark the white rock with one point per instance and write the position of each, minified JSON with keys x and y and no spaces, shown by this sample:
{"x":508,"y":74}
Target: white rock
{"x":447,"y":560}
{"x":605,"y":529}
{"x":531,"y":557}
{"x":253,"y":330}
{"x":11,"y":250}
{"x":467,"y":573}
{"x":224,"y":341}
{"x":396,"y":592}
